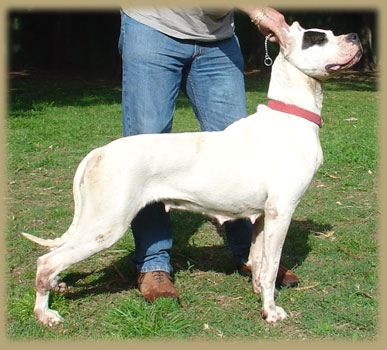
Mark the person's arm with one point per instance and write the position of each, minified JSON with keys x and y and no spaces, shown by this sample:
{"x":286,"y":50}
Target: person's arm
{"x":268,"y":20}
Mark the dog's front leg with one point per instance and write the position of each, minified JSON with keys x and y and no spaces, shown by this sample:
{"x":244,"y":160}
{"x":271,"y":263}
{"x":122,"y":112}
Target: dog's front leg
{"x":255,"y":256}
{"x":275,"y":229}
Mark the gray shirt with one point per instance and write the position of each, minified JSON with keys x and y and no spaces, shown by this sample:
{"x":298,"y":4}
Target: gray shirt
{"x":202,"y":24}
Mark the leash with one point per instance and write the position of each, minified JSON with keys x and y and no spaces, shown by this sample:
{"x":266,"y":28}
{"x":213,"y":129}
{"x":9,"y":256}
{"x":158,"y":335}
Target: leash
{"x":267,"y":60}
{"x":297,"y":111}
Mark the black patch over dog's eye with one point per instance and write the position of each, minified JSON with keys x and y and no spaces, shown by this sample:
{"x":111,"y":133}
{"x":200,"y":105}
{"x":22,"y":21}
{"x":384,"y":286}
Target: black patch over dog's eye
{"x":312,"y":38}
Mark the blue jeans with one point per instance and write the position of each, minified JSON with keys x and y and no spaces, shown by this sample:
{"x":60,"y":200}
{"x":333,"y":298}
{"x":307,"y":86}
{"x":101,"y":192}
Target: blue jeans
{"x":155,"y":67}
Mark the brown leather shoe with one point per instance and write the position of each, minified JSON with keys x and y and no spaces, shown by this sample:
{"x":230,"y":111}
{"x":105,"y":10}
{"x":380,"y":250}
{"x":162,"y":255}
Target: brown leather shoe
{"x":156,"y":284}
{"x":285,"y":277}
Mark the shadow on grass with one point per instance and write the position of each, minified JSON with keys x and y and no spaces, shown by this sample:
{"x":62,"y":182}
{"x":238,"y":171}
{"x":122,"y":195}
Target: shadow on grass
{"x":121,"y":275}
{"x":26,"y":99}
{"x":32,"y":93}
{"x":218,"y":258}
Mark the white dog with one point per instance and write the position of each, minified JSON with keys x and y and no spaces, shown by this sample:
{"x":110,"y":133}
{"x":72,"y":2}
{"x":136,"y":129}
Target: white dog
{"x":258,"y":168}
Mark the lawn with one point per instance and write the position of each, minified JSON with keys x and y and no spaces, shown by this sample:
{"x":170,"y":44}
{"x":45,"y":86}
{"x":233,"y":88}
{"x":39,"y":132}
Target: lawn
{"x":332,"y":244}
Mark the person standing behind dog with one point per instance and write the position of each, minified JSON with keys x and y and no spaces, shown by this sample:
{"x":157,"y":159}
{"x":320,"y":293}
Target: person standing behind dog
{"x":196,"y":50}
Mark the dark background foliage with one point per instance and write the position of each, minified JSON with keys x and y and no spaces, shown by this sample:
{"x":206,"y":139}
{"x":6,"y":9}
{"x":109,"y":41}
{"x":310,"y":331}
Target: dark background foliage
{"x":87,"y":41}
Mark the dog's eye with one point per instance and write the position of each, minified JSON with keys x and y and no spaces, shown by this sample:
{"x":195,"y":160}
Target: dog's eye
{"x":312,"y":38}
{"x":320,"y":40}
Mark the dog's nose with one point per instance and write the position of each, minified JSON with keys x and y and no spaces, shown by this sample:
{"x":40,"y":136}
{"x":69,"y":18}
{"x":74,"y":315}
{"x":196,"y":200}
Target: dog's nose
{"x":352,"y":38}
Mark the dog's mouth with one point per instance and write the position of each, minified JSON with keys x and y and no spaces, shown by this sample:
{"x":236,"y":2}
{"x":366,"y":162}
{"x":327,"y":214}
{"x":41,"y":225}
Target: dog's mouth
{"x":335,"y":67}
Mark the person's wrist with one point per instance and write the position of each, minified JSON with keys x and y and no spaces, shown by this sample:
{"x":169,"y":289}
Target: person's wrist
{"x":260,"y":15}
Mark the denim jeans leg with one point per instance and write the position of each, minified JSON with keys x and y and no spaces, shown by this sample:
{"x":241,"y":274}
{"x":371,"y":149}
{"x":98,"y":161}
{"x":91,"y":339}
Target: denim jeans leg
{"x":215,"y":86}
{"x":239,"y":234}
{"x":152,"y":233}
{"x":214,"y":83}
{"x":150,"y":79}
{"x":150,"y":84}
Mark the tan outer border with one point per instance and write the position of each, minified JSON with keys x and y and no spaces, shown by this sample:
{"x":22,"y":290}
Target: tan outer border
{"x":379,"y":6}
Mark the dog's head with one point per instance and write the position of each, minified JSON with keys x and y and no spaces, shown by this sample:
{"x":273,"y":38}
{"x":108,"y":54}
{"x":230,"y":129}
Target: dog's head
{"x":319,"y":53}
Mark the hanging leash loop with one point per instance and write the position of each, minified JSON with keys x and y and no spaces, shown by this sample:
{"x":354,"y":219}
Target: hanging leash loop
{"x":267,"y":61}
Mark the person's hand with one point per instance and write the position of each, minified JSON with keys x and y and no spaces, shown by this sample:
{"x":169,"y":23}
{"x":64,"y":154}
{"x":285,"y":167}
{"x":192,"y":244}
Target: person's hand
{"x":269,"y":20}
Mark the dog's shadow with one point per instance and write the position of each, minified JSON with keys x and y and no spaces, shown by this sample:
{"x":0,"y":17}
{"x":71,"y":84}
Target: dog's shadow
{"x":121,"y":275}
{"x":218,"y":258}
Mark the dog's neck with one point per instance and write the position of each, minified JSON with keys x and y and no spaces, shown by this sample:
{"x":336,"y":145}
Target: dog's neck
{"x":289,"y":85}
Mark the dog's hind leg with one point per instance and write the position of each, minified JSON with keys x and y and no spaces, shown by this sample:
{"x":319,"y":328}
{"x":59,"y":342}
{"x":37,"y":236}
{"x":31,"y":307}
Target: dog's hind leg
{"x":50,"y":265}
{"x":277,"y":219}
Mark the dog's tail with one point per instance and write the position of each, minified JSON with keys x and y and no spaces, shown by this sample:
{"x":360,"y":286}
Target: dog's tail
{"x":51,"y":243}
{"x":78,"y":179}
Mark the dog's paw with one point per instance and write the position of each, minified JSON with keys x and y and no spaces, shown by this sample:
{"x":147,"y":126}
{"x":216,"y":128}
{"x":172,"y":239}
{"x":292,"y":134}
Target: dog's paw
{"x":61,"y":287}
{"x":48,"y":318}
{"x":256,"y":289}
{"x":274,"y":315}
{"x":57,"y":286}
{"x":256,"y":286}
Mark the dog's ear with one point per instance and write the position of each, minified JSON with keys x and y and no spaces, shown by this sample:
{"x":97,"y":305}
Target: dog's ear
{"x":295,"y":27}
{"x":287,"y":41}
{"x":289,"y":37}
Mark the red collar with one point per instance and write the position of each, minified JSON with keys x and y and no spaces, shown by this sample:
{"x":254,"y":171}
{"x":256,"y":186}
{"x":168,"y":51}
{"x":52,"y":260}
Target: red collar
{"x":292,"y":109}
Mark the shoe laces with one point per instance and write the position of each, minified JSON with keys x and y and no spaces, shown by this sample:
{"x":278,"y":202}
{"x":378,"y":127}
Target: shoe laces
{"x":158,"y":276}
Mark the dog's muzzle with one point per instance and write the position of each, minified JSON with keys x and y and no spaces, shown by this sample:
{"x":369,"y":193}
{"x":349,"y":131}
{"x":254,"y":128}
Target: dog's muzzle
{"x":351,"y":39}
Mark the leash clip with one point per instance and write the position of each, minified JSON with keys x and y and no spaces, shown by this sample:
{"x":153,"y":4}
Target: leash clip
{"x":267,"y":61}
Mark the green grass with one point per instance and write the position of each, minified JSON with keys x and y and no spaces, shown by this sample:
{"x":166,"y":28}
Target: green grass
{"x":332,"y":243}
